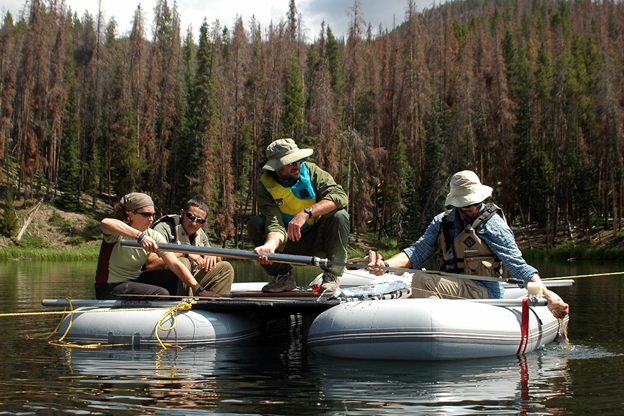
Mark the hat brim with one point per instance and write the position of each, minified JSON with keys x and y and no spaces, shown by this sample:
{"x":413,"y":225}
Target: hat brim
{"x":278,"y":163}
{"x":479,"y":195}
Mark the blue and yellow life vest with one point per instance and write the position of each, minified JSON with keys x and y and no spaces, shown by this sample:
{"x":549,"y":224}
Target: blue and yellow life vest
{"x":293,"y":200}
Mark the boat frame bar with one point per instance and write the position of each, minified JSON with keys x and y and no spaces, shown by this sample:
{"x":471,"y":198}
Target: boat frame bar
{"x":303,"y":260}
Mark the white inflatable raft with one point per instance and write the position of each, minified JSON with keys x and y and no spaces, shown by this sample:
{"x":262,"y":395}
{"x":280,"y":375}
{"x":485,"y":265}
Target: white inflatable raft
{"x":433,"y":329}
{"x":144,"y":323}
{"x":367,"y":318}
{"x":208,"y":322}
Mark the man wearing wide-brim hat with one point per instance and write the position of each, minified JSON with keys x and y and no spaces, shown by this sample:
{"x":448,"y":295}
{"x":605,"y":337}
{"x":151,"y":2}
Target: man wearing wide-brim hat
{"x":472,"y":238}
{"x":302,"y":212}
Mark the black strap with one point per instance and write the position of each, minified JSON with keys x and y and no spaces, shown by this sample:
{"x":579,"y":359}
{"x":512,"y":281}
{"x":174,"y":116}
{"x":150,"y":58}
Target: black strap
{"x":487,"y":213}
{"x":445,"y":230}
{"x":164,"y":218}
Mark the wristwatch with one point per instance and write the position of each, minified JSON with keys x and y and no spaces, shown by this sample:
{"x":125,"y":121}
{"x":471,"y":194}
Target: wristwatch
{"x":199,"y":289}
{"x":308,"y":211}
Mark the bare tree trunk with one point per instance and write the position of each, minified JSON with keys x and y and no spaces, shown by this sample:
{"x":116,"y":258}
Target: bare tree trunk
{"x":21,"y":232}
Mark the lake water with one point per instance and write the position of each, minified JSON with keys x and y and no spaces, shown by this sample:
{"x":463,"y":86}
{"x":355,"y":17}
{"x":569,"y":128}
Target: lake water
{"x":283,"y":377}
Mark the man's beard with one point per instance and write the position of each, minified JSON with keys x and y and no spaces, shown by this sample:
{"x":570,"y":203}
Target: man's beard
{"x":288,"y":181}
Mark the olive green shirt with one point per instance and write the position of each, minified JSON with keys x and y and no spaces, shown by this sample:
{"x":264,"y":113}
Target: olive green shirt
{"x":167,"y":229}
{"x":125,"y":263}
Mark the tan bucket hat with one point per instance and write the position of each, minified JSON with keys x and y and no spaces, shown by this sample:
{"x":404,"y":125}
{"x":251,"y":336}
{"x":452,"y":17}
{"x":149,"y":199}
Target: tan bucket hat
{"x":283,"y":152}
{"x":466,"y":189}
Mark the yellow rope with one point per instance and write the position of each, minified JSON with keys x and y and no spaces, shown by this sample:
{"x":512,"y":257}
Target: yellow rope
{"x":184,"y":305}
{"x":582,"y":275}
{"x":85,"y":346}
{"x":64,"y":312}
{"x":71,"y":320}
{"x":60,"y":342}
{"x":57,"y":325}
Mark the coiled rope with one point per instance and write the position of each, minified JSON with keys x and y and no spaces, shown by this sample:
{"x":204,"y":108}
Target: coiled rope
{"x":184,"y":305}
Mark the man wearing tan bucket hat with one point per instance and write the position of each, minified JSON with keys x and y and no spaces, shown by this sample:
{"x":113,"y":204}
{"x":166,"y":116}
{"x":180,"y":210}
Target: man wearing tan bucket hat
{"x":471,"y":238}
{"x":302,"y":212}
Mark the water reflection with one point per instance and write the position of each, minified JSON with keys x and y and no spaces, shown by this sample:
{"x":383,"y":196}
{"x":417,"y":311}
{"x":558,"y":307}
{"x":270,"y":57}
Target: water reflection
{"x":147,"y":365}
{"x":256,"y":377}
{"x":395,"y":387}
{"x":261,"y":379}
{"x":283,"y":377}
{"x":146,"y":380}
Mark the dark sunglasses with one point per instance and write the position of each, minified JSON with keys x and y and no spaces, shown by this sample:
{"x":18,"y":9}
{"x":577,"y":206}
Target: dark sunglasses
{"x":146,"y":214}
{"x":195,"y":218}
{"x":472,"y":205}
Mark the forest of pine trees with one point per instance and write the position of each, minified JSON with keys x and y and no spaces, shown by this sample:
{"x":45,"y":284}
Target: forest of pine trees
{"x":527,"y":93}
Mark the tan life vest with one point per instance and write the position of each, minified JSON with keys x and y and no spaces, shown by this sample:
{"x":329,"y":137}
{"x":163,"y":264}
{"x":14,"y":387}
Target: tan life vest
{"x":472,"y":255}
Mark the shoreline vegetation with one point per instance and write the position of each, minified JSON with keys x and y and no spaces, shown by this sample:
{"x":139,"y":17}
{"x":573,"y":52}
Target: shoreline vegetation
{"x":56,"y":235}
{"x":90,"y":253}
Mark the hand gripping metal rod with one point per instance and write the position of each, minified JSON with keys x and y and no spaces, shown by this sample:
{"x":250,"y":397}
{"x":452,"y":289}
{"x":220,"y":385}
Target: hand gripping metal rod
{"x":300,"y":260}
{"x":235,"y":254}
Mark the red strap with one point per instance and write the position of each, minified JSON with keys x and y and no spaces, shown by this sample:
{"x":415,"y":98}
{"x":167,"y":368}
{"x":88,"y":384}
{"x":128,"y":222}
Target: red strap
{"x":524,"y":327}
{"x":524,"y":379}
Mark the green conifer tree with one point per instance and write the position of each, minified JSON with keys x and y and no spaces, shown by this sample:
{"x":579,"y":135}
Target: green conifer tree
{"x":186,"y":153}
{"x":335,"y":65}
{"x":428,"y":197}
{"x":401,"y":185}
{"x":205,"y":116}
{"x":69,"y":169}
{"x":294,"y":101}
{"x":127,"y":164}
{"x":8,"y":221}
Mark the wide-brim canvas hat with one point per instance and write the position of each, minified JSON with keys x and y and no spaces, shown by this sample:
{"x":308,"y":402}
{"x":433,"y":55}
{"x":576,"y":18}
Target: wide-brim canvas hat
{"x":283,"y":152}
{"x":466,"y":189}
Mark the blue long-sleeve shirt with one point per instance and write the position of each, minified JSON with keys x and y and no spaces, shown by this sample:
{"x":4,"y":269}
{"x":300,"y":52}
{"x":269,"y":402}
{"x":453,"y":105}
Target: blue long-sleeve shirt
{"x":495,"y":233}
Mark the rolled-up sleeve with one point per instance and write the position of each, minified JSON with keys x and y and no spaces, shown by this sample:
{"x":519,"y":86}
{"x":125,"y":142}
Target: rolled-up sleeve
{"x":427,"y":245}
{"x":326,"y":187}
{"x":500,"y":239}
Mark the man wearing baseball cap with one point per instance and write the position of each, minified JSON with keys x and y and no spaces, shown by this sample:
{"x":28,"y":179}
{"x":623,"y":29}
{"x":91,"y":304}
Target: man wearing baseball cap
{"x":302,"y":212}
{"x":472,"y":238}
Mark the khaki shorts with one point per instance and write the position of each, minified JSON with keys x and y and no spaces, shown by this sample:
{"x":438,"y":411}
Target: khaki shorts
{"x":426,"y":285}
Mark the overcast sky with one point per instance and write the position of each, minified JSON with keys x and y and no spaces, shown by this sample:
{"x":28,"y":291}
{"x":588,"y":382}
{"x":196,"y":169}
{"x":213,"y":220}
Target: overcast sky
{"x":386,"y":13}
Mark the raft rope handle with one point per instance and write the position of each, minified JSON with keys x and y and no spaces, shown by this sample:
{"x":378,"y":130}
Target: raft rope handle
{"x":184,"y":305}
